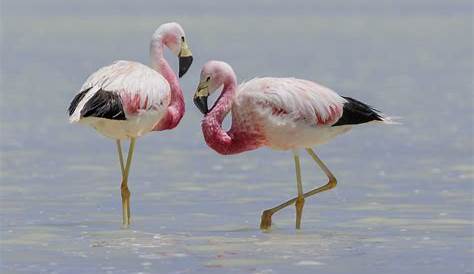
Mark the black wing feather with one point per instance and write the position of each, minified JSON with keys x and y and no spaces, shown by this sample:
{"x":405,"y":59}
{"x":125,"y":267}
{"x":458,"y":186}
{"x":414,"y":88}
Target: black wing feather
{"x":355,"y":112}
{"x":76,"y":100}
{"x":104,"y":104}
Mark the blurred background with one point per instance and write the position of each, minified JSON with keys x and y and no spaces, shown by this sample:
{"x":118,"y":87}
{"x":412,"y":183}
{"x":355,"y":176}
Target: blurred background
{"x":404,"y":202}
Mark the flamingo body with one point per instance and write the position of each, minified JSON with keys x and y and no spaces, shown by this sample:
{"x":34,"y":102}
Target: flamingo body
{"x":280,"y":113}
{"x":141,"y":95}
{"x":126,"y":100}
{"x":288,"y":113}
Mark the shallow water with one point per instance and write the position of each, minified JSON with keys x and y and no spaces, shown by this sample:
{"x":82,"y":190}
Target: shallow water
{"x":404,"y":199}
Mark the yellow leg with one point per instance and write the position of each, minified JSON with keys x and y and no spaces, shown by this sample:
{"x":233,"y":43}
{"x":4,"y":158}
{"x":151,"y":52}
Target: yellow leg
{"x":266,"y":221}
{"x":125,"y":196}
{"x":124,"y":186}
{"x":300,"y":199}
{"x":120,"y":154}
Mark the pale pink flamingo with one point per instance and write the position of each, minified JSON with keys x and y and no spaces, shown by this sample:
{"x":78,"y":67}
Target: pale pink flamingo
{"x":280,"y":113}
{"x":127,"y":99}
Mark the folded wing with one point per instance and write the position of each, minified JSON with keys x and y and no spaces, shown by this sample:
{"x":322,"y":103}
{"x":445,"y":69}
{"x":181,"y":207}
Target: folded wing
{"x":119,"y":91}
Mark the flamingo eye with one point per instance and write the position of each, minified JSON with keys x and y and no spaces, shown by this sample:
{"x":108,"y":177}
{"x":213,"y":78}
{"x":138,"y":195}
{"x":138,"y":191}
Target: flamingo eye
{"x":182,"y":38}
{"x":208,"y":78}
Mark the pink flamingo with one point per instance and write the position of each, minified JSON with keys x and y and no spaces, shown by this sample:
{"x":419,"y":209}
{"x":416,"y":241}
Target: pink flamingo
{"x":280,"y":113}
{"x":126,"y":100}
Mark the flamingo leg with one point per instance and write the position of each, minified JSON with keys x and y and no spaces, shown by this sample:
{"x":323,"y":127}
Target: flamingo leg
{"x":124,"y":186}
{"x":122,"y":168}
{"x":120,"y":154}
{"x":300,"y":199}
{"x":266,"y":220}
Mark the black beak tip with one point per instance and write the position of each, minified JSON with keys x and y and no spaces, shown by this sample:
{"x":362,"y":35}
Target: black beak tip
{"x":184,"y":64}
{"x":201,"y":104}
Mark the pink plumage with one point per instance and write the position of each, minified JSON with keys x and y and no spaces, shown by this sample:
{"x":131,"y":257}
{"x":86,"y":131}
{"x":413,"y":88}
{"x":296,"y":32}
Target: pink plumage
{"x":280,"y":113}
{"x":126,"y":100}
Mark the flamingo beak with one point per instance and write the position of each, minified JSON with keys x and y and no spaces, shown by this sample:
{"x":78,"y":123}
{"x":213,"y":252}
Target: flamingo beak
{"x":200,"y":98}
{"x":185,"y":58}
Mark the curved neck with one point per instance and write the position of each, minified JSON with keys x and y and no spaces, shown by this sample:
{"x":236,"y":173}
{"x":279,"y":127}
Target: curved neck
{"x":175,"y":109}
{"x":233,"y":141}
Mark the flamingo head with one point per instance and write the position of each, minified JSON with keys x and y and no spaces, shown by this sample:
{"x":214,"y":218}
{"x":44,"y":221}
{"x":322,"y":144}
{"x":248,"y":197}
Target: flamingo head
{"x":172,"y":36}
{"x":214,"y":75}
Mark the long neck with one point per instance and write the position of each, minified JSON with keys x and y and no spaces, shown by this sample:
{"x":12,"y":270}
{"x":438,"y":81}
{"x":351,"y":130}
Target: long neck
{"x":233,"y":141}
{"x":175,"y":109}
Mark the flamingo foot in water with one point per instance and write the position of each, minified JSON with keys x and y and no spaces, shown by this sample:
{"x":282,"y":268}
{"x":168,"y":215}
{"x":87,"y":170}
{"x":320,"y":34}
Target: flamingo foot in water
{"x":266,"y":221}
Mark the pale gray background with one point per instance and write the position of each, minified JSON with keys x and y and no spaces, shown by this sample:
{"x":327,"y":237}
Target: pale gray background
{"x":404,"y":199}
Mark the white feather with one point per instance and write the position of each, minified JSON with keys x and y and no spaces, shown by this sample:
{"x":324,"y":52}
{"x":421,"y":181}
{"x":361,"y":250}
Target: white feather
{"x":129,"y":80}
{"x":76,"y":116}
{"x":391,"y":120}
{"x":298,"y":98}
{"x":303,"y":105}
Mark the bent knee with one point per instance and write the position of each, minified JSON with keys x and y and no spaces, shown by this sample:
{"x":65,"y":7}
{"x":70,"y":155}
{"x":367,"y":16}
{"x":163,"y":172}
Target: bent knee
{"x":332,"y":183}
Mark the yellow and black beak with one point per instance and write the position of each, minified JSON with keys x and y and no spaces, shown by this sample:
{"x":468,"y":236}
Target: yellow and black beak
{"x":200,"y":97}
{"x":185,"y":58}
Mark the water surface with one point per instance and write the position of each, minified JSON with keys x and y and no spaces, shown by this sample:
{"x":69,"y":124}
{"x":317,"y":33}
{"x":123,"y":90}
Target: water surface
{"x":404,"y":199}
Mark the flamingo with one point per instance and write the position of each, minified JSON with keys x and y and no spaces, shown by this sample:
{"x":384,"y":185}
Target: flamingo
{"x":279,"y":113}
{"x":126,"y":99}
